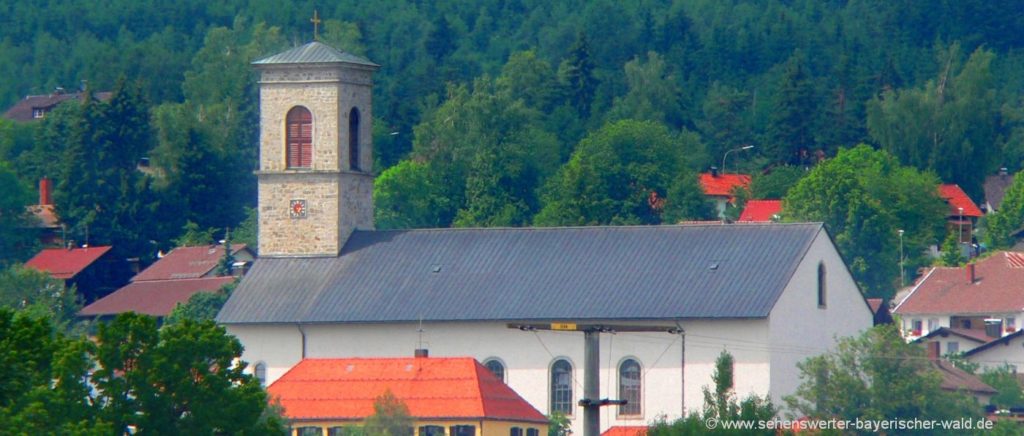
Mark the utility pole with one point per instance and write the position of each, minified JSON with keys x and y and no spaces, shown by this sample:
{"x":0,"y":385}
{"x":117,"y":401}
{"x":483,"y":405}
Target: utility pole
{"x":591,"y":401}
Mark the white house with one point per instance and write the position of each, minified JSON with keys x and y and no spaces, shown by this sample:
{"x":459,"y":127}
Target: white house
{"x":984,"y":298}
{"x":328,"y":285}
{"x":1008,"y":350}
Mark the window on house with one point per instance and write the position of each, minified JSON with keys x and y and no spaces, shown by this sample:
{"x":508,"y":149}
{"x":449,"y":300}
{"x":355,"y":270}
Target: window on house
{"x":933,"y":324}
{"x":561,"y":387}
{"x":515,"y":431}
{"x":952,"y":347}
{"x":38,"y":113}
{"x":496,"y":367}
{"x":309,"y":431}
{"x":353,"y":140}
{"x":915,"y":327}
{"x":821,"y":285}
{"x":260,"y":371}
{"x":431,"y":430}
{"x":965,"y":323}
{"x":342,"y":431}
{"x":462,"y":430}
{"x":629,"y":387}
{"x":300,"y":138}
{"x":532,"y":432}
{"x":1011,"y":324}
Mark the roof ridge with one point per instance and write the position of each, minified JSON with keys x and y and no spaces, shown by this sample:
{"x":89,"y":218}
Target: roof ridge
{"x":716,"y":225}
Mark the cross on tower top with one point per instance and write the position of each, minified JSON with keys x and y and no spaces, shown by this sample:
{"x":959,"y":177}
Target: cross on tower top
{"x":316,"y":24}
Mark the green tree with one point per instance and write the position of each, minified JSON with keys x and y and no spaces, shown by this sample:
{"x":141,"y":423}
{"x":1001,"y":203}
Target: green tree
{"x":949,"y":125}
{"x":653,"y":95}
{"x":576,"y":73}
{"x":407,"y":196}
{"x":877,"y":376}
{"x":16,"y":241}
{"x":1004,"y":380}
{"x":192,"y":235}
{"x":776,"y":183}
{"x":864,"y":196}
{"x":226,"y":264}
{"x":1001,"y":224}
{"x":390,"y":417}
{"x":793,"y":115}
{"x":951,"y":251}
{"x":36,"y":292}
{"x":620,"y":174}
{"x":725,"y":121}
{"x":202,"y":306}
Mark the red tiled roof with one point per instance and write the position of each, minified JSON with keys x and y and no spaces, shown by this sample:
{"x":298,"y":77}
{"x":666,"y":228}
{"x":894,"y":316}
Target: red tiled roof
{"x":722,"y":185}
{"x":155,"y":298}
{"x":63,"y":263}
{"x":998,"y":287}
{"x":23,"y":109}
{"x":956,"y":379}
{"x":761,"y":210}
{"x":186,"y":263}
{"x":957,"y":198}
{"x":626,"y":430}
{"x":431,"y":387}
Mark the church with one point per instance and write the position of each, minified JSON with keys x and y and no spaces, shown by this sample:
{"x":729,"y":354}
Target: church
{"x":327,"y":285}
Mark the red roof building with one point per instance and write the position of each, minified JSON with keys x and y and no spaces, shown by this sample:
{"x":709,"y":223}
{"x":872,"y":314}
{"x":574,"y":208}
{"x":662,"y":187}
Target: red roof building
{"x":446,"y":392}
{"x":962,"y":211}
{"x":761,"y":211}
{"x":91,"y":270}
{"x":191,"y":262}
{"x":986,"y":297}
{"x":626,"y":430}
{"x":173,"y":279}
{"x":721,"y":187}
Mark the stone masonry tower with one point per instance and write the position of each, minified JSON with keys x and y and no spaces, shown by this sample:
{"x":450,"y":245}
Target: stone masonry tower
{"x":316,"y":151}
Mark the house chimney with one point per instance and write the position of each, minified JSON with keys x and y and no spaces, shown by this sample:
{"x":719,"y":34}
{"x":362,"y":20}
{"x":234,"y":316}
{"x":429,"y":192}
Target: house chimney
{"x":45,"y":187}
{"x":714,"y":171}
{"x":970,"y":272}
{"x":933,"y":350}
{"x":421,"y":352}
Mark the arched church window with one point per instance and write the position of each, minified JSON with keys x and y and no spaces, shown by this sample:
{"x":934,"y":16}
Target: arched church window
{"x":260,"y":371}
{"x":300,"y":138}
{"x":629,"y":387}
{"x":561,"y":387}
{"x":353,"y":139}
{"x":496,"y":367}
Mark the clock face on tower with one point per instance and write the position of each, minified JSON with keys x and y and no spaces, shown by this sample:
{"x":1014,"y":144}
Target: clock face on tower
{"x":297,"y":209}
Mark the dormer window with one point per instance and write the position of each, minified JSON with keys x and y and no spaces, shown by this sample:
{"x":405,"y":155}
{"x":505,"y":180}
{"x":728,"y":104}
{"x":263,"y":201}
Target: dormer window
{"x":38,"y":112}
{"x":299,"y":138}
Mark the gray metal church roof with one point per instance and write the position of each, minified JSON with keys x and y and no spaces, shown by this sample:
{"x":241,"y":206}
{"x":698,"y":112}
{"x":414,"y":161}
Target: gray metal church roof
{"x":314,"y":53}
{"x":522,"y":274}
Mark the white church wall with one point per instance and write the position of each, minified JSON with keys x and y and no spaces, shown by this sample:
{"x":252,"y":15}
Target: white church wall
{"x":800,"y":329}
{"x":528,"y":356}
{"x":279,"y":347}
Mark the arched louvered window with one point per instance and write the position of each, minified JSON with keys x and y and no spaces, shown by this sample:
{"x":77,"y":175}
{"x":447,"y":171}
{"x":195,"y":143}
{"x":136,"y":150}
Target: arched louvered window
{"x":561,"y":387}
{"x":629,"y":387}
{"x":496,"y":367}
{"x":300,"y":138}
{"x":353,"y":140}
{"x":260,"y":371}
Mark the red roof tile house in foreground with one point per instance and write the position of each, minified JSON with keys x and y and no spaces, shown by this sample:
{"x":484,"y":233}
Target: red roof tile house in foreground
{"x":456,"y":394}
{"x":173,"y":279}
{"x":963,"y":213}
{"x":986,"y":297}
{"x":720,"y":187}
{"x":92,"y":270}
{"x":761,"y":211}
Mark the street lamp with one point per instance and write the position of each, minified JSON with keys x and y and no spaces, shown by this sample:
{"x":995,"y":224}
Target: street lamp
{"x":960,"y":227}
{"x":745,"y":147}
{"x":902,"y":281}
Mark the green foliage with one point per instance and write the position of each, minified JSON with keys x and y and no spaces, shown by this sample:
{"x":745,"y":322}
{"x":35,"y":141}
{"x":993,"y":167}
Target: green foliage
{"x":792,"y":121}
{"x":202,"y":306}
{"x":1001,"y":224}
{"x":622,"y":174}
{"x":951,"y":251}
{"x":864,"y":197}
{"x":653,"y":95}
{"x":558,"y":424}
{"x":775,"y":184}
{"x":720,"y":405}
{"x":246,"y":232}
{"x":16,"y":241}
{"x":407,"y":196}
{"x":227,"y":262}
{"x":576,"y":73}
{"x":877,"y":376}
{"x":1004,"y":380}
{"x":390,"y":417}
{"x":949,"y":125}
{"x":193,"y":236}
{"x":35,"y":292}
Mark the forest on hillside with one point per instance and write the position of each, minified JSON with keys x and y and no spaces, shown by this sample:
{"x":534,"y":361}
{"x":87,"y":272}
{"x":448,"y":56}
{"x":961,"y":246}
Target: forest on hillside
{"x":523,"y":112}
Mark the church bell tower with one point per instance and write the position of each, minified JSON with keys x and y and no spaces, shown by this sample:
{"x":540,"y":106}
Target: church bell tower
{"x":316,"y":151}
